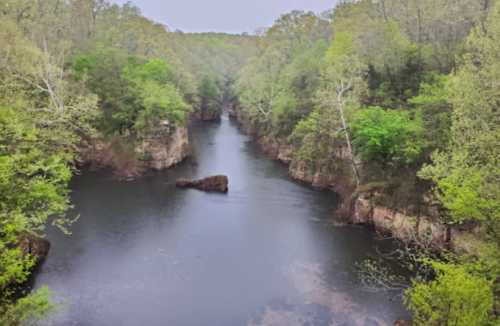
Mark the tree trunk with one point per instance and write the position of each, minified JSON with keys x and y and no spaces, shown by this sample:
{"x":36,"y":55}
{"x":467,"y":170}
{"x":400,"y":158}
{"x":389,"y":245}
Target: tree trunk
{"x":340,"y":107}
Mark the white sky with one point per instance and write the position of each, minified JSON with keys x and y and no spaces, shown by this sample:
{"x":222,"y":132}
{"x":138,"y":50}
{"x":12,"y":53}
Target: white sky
{"x":230,"y":16}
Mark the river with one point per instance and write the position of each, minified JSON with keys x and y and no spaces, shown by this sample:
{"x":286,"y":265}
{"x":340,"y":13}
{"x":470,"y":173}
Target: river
{"x":146,"y":253}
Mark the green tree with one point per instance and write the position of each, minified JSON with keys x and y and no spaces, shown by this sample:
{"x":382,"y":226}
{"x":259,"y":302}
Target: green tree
{"x":467,"y":173}
{"x":276,"y":87}
{"x":318,"y":138}
{"x":433,"y":103}
{"x":28,"y":310}
{"x":342,"y":83}
{"x":160,"y":103}
{"x":455,"y":297}
{"x":156,"y":97}
{"x":43,"y":115}
{"x":299,"y":82}
{"x":136,"y":95}
{"x":387,"y":135}
{"x":209,"y":94}
{"x":34,"y":176}
{"x":102,"y":72}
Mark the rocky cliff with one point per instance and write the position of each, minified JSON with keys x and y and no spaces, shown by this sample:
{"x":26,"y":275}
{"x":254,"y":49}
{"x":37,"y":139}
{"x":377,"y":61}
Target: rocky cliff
{"x":401,"y":225}
{"x":130,"y":157}
{"x":163,"y":150}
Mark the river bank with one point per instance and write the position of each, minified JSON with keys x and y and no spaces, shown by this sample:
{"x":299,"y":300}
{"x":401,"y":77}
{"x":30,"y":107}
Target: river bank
{"x":365,"y":204}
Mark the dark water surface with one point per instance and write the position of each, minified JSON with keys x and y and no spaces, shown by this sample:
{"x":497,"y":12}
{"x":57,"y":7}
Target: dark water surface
{"x":145,"y":253}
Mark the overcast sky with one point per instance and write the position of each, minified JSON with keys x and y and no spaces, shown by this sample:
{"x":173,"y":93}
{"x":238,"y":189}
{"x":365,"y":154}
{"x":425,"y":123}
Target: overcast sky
{"x":230,"y":16}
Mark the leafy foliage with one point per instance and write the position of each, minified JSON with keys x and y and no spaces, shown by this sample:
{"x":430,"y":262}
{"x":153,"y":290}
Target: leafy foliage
{"x":137,"y":95}
{"x":33,"y":187}
{"x":157,"y":96}
{"x":387,"y":135}
{"x":455,"y":297}
{"x":467,"y":173}
{"x":209,"y":94}
{"x":433,"y":103}
{"x":28,"y":310}
{"x":277,"y":87}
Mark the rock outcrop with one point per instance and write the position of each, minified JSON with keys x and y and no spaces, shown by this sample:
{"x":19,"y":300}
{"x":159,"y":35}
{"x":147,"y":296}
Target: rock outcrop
{"x":276,"y":148}
{"x":403,"y":226}
{"x":34,"y":246}
{"x":218,"y":183}
{"x":164,"y":150}
{"x":129,"y":157}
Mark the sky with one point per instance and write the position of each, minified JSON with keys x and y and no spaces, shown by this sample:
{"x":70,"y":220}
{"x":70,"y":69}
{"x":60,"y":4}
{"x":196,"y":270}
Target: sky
{"x":229,"y":16}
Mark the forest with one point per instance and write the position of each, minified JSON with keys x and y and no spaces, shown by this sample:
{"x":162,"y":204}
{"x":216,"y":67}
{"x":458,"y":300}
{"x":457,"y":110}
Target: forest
{"x":399,"y":99}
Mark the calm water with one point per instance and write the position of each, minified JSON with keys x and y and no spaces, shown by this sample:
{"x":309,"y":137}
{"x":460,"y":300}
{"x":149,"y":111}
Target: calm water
{"x":146,"y":253}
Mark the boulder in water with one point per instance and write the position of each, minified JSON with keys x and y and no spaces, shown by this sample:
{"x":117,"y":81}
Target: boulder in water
{"x":217,"y":183}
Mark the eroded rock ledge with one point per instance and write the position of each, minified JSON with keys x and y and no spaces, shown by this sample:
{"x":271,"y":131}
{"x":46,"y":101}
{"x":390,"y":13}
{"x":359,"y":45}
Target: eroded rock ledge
{"x":129,"y":158}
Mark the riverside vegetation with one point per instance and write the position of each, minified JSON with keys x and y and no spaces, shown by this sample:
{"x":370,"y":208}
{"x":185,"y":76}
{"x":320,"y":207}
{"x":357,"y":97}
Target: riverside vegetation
{"x":393,"y":103}
{"x":85,"y":81}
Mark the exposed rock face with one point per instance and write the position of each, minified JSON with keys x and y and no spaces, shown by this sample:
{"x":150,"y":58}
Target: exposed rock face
{"x":165,"y":149}
{"x":400,"y":225}
{"x":363,"y":211}
{"x":317,"y":177}
{"x":276,"y":148}
{"x":129,"y":158}
{"x":244,"y":121}
{"x":35,"y":246}
{"x":339,"y":181}
{"x":218,"y":183}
